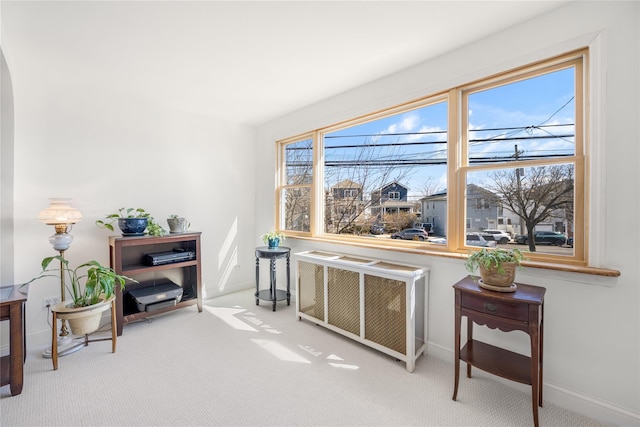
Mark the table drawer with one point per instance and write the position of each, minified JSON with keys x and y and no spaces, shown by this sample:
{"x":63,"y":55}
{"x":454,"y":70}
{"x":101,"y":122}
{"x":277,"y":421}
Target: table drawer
{"x":495,"y":307}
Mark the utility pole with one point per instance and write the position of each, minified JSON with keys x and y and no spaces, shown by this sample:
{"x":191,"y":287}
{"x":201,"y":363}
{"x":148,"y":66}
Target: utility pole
{"x":519,"y":185}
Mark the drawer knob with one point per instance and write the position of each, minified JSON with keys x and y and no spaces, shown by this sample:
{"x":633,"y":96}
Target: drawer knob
{"x":491,"y":307}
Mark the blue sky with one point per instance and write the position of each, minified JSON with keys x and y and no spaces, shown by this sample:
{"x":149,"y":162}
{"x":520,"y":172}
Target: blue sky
{"x":534,"y":107}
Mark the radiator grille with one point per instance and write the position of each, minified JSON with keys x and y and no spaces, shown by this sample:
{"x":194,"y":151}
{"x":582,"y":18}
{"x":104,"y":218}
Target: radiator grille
{"x":344,"y":300}
{"x":385,"y":312}
{"x":311,"y":289}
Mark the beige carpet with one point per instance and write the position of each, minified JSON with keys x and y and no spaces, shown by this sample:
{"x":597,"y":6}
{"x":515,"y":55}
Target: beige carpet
{"x":241,"y":364}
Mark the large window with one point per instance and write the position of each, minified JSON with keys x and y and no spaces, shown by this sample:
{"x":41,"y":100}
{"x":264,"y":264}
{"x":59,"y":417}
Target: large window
{"x":505,"y":153}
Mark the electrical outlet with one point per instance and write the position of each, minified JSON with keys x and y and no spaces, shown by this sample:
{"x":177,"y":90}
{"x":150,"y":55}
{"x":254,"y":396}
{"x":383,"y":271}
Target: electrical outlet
{"x":49,"y":301}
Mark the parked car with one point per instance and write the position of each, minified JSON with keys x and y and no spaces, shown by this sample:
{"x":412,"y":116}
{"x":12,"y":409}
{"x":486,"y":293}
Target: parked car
{"x":377,"y":229}
{"x":543,"y":237}
{"x":570,"y":241}
{"x":500,"y":236}
{"x":478,"y":239}
{"x":411,"y":234}
{"x":426,"y":226}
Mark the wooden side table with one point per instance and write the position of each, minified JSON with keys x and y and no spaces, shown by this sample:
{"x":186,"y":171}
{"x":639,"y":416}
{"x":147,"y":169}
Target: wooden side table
{"x":272,"y":294}
{"x":12,"y":308}
{"x":522,"y":310}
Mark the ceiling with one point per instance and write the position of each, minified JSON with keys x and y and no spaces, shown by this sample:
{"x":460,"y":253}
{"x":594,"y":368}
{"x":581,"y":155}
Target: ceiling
{"x":243,"y":62}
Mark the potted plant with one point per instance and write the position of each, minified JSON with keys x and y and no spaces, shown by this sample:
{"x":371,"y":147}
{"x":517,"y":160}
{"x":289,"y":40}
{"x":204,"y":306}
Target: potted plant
{"x":273,"y":238}
{"x":91,"y":286}
{"x":177,"y":224}
{"x":132,"y":222}
{"x":497,"y":267}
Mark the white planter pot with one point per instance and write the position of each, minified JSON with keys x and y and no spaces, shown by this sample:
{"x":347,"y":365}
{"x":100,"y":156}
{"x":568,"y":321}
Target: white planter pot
{"x":82,"y":320}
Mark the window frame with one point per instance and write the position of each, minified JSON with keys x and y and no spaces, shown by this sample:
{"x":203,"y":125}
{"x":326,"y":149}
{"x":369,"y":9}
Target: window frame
{"x":457,"y":166}
{"x":282,"y":186}
{"x":579,"y":60}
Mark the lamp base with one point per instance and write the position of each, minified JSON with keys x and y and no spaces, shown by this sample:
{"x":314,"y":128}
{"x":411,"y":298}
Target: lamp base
{"x":66,"y":345}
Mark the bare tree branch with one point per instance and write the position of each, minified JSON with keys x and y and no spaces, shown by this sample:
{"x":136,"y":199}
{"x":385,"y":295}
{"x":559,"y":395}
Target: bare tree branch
{"x":535,"y":195}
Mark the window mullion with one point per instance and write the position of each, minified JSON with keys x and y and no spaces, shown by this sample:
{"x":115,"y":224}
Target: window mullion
{"x":317,"y":190}
{"x":455,"y":154}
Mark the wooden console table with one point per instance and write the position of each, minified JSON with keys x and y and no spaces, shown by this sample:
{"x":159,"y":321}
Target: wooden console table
{"x":522,"y":310}
{"x":12,"y":309}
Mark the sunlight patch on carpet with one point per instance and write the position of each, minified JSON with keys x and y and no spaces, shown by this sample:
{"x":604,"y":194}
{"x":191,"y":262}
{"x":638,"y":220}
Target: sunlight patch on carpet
{"x":280,"y":351}
{"x":228,"y":316}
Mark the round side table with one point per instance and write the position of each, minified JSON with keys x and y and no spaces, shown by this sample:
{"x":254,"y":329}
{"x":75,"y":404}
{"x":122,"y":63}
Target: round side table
{"x":272,"y":294}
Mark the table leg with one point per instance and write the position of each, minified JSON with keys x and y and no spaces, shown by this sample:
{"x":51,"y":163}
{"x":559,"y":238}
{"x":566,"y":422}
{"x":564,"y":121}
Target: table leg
{"x":469,"y":339}
{"x":114,"y":334}
{"x":541,"y":352}
{"x":456,"y":361}
{"x":288,"y":282}
{"x":16,"y":348}
{"x":272,"y":279}
{"x":24,"y":332}
{"x":257,"y":280}
{"x":535,"y":335}
{"x":54,"y":341}
{"x":535,"y":383}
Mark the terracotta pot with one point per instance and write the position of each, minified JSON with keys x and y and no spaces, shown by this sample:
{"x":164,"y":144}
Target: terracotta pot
{"x":493,"y":278}
{"x":82,"y":320}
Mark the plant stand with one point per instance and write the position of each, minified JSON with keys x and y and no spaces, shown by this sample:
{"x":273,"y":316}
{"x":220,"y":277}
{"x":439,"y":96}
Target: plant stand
{"x":60,"y":311}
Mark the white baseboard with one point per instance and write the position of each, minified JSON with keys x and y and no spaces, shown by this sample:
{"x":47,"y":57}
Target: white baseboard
{"x":604,"y":412}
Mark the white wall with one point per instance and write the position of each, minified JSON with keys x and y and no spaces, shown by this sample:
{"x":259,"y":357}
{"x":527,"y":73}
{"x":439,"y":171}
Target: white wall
{"x":592,"y":323}
{"x":107,"y":150}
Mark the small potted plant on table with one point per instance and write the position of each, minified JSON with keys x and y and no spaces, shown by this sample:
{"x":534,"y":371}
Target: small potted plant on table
{"x":177,"y":224}
{"x":273,"y":238}
{"x":497,"y":267}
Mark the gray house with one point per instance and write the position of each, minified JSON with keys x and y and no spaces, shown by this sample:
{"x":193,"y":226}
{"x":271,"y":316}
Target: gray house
{"x":483,"y":210}
{"x":434,"y":210}
{"x":344,"y":205}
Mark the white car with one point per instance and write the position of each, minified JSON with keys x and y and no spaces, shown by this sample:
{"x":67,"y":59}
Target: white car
{"x":500,"y":236}
{"x":477,"y":239}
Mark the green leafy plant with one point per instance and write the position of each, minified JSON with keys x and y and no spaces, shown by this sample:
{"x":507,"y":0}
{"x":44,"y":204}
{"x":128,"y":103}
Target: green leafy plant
{"x":493,"y":258}
{"x":153,"y":228}
{"x":87,"y":282}
{"x":274,"y":234}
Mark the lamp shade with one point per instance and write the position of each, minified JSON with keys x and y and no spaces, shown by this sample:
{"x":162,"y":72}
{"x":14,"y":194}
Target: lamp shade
{"x":60,"y":212}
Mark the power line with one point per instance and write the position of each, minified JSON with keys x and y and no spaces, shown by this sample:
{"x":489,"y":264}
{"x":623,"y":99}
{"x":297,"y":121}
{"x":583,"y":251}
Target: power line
{"x":474,"y":141}
{"x":422,"y":162}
